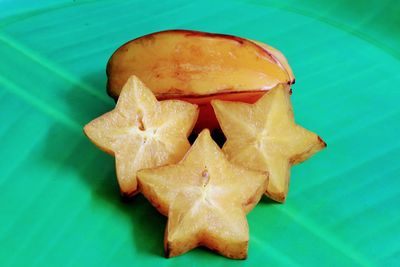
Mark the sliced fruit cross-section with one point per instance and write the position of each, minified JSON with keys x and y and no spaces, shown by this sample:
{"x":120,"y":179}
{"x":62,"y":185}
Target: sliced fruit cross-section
{"x":142,"y":132}
{"x":263,"y":136}
{"x":206,"y":199}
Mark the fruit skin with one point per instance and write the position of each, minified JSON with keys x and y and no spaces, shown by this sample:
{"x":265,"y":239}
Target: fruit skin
{"x":206,"y":199}
{"x":195,"y":66}
{"x":142,"y":132}
{"x":263,"y":136}
{"x":207,"y":117}
{"x":281,"y":59}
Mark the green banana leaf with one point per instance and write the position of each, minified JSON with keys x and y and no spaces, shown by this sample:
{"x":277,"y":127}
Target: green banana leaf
{"x":59,"y":200}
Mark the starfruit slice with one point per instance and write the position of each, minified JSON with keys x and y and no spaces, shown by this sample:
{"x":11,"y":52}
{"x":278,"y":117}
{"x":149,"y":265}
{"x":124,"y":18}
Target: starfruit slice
{"x":206,"y":199}
{"x":142,"y":132}
{"x":264,"y":136}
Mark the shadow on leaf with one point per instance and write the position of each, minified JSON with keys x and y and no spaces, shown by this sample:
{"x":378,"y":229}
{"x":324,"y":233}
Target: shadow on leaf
{"x":69,"y":150}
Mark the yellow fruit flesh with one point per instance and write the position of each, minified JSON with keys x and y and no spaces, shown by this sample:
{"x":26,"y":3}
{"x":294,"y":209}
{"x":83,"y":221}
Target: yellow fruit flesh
{"x":205,"y":198}
{"x":142,"y":132}
{"x":263,"y":136}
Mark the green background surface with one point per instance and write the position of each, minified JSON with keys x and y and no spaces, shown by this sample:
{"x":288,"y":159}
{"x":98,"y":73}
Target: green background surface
{"x":59,"y":201}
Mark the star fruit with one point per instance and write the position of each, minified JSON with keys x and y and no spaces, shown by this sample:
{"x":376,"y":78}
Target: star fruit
{"x":198,"y":67}
{"x":142,"y":132}
{"x":264,"y":136}
{"x":206,"y":199}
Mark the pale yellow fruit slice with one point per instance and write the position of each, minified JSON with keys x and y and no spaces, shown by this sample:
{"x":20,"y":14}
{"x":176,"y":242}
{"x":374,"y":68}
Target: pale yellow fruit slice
{"x":263,"y":136}
{"x":206,"y":199}
{"x":142,"y":132}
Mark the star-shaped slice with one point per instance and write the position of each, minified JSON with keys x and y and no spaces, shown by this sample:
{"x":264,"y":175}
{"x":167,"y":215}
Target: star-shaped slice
{"x":206,"y":199}
{"x":142,"y":132}
{"x":263,"y":136}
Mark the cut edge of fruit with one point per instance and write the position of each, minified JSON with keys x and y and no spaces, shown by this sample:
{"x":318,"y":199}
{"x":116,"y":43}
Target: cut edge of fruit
{"x":279,"y":197}
{"x":238,"y":252}
{"x":87,"y":130}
